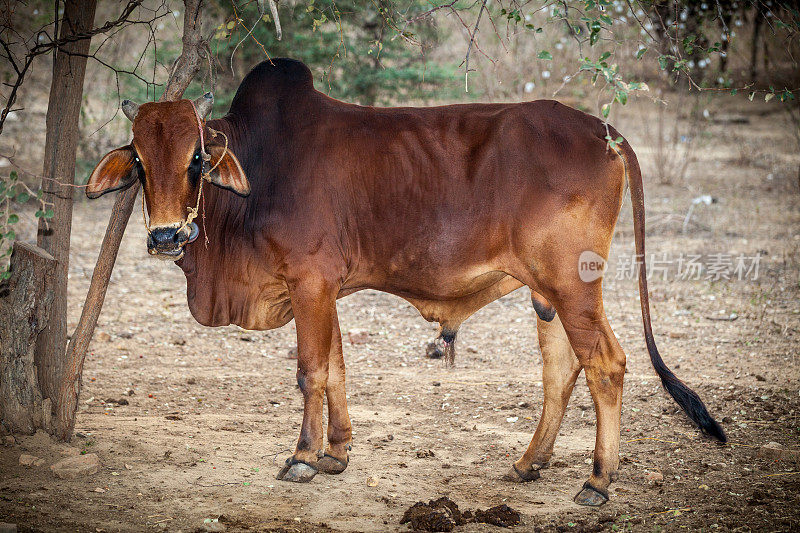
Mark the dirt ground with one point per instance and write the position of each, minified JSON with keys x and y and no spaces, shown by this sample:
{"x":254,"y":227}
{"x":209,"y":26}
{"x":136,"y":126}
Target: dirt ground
{"x":211,"y":414}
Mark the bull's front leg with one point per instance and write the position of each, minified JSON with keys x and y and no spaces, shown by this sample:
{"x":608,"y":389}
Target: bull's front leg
{"x":314,"y":308}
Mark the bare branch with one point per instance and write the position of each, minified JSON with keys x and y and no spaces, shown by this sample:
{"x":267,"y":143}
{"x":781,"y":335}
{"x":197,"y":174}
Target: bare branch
{"x":49,"y":43}
{"x":469,"y":48}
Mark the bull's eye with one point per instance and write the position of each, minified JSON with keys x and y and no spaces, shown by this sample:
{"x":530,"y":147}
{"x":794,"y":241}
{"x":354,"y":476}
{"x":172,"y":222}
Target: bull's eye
{"x":195,"y":168}
{"x":137,"y":168}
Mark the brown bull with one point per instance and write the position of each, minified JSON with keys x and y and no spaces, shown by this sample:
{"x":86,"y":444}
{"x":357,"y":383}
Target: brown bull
{"x":447,"y":207}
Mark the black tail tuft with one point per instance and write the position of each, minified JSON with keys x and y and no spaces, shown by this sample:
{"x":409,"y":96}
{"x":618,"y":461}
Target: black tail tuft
{"x":689,"y":401}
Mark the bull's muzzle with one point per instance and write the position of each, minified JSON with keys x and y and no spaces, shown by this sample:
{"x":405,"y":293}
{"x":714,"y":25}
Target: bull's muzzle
{"x":168,"y":242}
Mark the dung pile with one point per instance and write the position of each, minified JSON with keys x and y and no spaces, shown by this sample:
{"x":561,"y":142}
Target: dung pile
{"x":443,"y":514}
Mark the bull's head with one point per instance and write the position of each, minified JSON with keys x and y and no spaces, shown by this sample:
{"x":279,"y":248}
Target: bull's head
{"x":165,"y":155}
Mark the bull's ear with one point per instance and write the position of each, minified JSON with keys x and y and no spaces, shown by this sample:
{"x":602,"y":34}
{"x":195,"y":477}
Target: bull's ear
{"x":117,"y":170}
{"x":228,"y":174}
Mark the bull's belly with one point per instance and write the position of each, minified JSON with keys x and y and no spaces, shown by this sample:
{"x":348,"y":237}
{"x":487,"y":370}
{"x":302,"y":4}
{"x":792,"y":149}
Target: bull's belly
{"x":453,"y":303}
{"x":446,"y":296}
{"x":441,"y":286}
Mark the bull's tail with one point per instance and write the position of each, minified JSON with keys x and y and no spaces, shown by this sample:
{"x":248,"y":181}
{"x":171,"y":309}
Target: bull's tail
{"x":689,"y":401}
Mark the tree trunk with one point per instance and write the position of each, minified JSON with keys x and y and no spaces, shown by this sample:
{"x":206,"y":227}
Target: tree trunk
{"x":186,"y":66}
{"x":61,"y":142}
{"x":757,"y":20}
{"x":24,"y":305}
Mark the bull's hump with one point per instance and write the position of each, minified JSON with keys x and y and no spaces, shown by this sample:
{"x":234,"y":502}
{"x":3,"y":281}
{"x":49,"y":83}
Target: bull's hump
{"x":279,"y":73}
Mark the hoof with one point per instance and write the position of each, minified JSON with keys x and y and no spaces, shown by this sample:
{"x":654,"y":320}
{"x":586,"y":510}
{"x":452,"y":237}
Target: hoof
{"x":331,"y":465}
{"x":296,"y":472}
{"x":590,"y":496}
{"x":515,"y":475}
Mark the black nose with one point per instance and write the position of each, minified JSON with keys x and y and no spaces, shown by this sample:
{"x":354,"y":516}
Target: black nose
{"x":165,"y":239}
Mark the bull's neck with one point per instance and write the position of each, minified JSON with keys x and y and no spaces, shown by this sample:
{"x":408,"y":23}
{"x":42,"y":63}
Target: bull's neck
{"x":234,"y":225}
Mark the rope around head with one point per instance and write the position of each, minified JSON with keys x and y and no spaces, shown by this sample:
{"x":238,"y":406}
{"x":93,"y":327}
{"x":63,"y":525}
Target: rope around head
{"x":205,"y":175}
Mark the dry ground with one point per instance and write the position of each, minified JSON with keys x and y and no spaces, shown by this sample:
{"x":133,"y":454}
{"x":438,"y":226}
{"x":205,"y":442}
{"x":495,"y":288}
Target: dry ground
{"x":214,"y":412}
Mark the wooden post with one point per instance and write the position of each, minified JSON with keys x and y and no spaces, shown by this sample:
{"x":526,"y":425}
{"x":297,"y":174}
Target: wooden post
{"x":25,"y":302}
{"x":187,"y":65}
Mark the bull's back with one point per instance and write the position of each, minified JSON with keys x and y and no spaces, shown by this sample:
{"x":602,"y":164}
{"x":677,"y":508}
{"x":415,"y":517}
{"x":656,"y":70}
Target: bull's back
{"x":468,"y":156}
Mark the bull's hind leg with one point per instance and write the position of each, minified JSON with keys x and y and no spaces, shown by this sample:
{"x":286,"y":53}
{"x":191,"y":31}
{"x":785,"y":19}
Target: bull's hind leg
{"x":339,"y":428}
{"x":580,"y":308}
{"x":559,"y":373}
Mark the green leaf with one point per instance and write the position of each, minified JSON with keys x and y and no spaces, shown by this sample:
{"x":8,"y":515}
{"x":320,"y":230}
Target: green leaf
{"x":588,"y":65}
{"x":613,"y":143}
{"x":606,"y":19}
{"x":605,"y":110}
{"x":622,"y":97}
{"x":604,"y":56}
{"x":640,"y":53}
{"x":39,"y":213}
{"x":5,"y":275}
{"x":49,"y":213}
{"x":13,"y":218}
{"x":23,"y":197}
{"x":544,"y":54}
